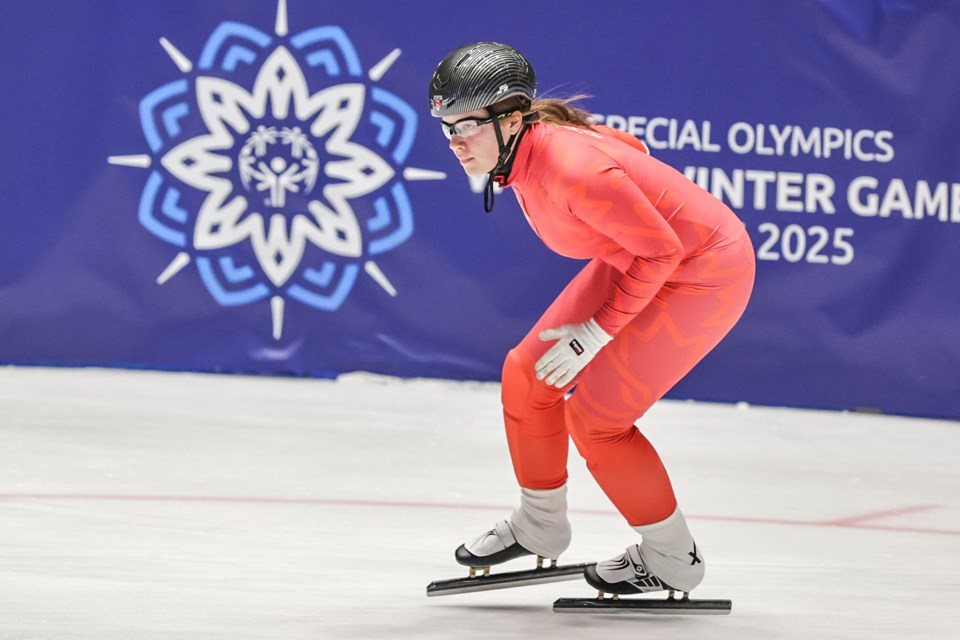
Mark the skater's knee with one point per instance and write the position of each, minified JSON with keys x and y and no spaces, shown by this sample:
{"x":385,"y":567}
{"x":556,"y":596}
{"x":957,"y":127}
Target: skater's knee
{"x":520,"y":389}
{"x":589,"y":430}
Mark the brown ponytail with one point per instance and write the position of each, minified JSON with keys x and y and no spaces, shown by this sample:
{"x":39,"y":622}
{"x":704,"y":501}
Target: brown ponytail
{"x":563,"y":111}
{"x":552,"y":110}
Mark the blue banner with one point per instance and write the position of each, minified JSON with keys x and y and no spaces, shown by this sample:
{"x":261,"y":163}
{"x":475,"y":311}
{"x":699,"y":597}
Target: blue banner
{"x":258,"y":187}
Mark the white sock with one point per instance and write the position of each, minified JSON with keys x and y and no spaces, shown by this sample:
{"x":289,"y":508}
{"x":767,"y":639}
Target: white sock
{"x":540,"y":524}
{"x":670,"y":553}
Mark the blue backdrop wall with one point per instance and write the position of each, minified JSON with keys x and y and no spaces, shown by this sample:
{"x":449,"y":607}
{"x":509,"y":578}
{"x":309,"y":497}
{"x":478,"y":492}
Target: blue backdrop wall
{"x":257,"y":186}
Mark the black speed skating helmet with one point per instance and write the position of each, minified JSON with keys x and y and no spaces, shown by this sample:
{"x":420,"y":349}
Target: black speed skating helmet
{"x":479,"y":75}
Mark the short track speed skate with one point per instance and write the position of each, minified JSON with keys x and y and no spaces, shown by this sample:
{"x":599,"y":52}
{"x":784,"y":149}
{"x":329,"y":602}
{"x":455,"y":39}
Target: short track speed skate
{"x":480,"y":578}
{"x":670,"y":605}
{"x":493,"y":548}
{"x":629,"y":575}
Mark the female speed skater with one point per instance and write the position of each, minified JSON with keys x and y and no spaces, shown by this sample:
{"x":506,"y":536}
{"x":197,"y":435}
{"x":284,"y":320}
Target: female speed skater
{"x":670,"y":271}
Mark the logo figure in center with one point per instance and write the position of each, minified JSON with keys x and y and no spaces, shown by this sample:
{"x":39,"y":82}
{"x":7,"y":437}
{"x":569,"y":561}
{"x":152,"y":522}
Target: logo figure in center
{"x":267,"y":164}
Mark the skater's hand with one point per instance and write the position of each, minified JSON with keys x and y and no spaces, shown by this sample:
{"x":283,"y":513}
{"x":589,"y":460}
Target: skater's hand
{"x":576,"y":346}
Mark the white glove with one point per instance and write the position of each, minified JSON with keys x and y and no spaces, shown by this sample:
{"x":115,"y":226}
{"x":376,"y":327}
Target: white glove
{"x":576,"y":346}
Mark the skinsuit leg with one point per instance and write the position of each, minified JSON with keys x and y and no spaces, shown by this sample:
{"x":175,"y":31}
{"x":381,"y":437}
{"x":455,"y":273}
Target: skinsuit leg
{"x":687,"y":318}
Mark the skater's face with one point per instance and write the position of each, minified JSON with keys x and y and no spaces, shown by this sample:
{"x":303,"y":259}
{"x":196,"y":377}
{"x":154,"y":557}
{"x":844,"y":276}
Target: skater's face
{"x":473,"y":140}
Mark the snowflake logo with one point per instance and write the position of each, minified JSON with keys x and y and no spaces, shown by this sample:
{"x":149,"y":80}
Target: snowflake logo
{"x":276,"y":168}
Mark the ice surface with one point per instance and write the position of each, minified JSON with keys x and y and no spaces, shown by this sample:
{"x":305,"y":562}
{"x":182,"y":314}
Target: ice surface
{"x":143,"y":505}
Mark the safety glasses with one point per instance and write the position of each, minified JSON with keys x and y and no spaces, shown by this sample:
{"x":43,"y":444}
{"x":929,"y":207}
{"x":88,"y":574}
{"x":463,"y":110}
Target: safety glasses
{"x":468,"y":126}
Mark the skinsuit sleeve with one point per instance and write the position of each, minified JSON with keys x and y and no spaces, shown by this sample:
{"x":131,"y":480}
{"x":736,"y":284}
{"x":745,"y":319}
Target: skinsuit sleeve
{"x":597,"y":191}
{"x":622,"y":136}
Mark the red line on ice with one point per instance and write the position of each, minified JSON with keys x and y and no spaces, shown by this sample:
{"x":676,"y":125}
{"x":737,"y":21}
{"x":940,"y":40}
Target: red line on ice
{"x":877,"y":515}
{"x":853,"y":522}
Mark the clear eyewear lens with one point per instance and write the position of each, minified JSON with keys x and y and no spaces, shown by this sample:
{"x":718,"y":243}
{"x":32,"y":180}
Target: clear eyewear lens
{"x":464,"y":128}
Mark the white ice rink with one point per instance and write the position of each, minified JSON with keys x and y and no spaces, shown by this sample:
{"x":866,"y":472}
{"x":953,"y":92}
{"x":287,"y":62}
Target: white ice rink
{"x":141,"y":505}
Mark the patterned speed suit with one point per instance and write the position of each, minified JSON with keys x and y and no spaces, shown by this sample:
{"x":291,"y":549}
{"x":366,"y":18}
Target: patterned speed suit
{"x":670,"y":273}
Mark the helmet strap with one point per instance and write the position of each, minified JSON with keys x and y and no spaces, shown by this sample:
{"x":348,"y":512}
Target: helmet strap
{"x":488,"y":193}
{"x":508,"y":151}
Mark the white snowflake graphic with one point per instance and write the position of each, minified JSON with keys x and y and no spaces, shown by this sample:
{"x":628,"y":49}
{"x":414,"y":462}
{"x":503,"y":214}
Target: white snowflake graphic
{"x":263,"y":195}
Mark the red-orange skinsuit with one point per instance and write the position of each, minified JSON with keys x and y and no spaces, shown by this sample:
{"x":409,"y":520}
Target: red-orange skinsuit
{"x":670,"y":273}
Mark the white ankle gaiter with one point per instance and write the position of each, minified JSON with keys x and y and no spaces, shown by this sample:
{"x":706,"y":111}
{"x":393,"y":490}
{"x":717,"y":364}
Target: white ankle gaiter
{"x":540,"y":524}
{"x":669,"y":552}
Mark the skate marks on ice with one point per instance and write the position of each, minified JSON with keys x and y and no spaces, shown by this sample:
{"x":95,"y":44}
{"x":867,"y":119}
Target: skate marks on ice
{"x":235,"y":508}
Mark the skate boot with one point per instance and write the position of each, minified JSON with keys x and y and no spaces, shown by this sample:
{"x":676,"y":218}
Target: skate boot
{"x":493,"y":547}
{"x":667,"y":560}
{"x":626,"y":574}
{"x":538,"y":527}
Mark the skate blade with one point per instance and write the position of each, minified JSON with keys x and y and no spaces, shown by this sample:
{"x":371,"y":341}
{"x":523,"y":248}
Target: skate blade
{"x":674,"y":606}
{"x":507,"y":580}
